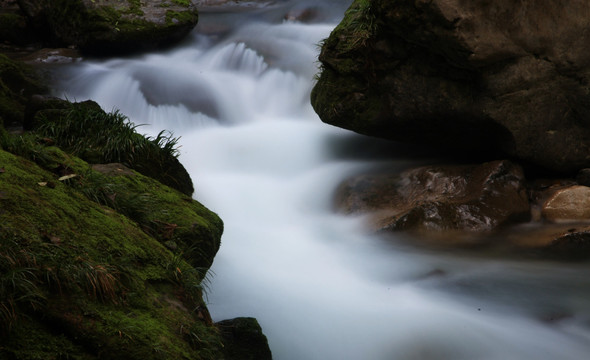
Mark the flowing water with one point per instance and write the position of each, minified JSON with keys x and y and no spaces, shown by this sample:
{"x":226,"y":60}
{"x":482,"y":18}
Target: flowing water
{"x":237,"y":92}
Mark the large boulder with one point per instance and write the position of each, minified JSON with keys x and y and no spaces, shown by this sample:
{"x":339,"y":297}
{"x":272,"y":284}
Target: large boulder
{"x":470,"y":198}
{"x":104,"y":27}
{"x":511,"y":76}
{"x":84,"y":271}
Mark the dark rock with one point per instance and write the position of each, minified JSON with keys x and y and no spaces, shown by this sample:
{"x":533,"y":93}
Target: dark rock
{"x":472,"y":198}
{"x":572,"y":246}
{"x":18,"y":83}
{"x":512,"y":76}
{"x":39,"y":103}
{"x":101,"y":27}
{"x":13,"y":24}
{"x":244,"y":340}
{"x":583,"y":177}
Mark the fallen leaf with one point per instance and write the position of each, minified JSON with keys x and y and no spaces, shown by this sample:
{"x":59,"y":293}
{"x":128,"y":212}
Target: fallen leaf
{"x":42,"y":183}
{"x":66,"y":177}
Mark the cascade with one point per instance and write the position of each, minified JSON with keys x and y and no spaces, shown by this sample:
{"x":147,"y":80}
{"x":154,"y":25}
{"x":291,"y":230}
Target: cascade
{"x":318,"y":284}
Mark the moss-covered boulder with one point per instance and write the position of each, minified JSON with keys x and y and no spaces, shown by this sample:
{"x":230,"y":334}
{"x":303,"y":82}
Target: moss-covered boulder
{"x":505,"y":75}
{"x":103,"y":27}
{"x":87,"y":131}
{"x":85,"y":272}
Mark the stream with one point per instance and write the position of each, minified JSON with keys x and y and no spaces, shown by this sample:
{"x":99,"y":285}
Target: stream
{"x":237,"y":93}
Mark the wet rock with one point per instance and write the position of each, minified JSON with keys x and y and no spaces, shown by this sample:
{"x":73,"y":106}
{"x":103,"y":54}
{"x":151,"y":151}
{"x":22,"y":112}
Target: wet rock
{"x":244,"y":340}
{"x":472,"y":198}
{"x":571,"y":203}
{"x":571,"y":246}
{"x":101,"y":27}
{"x":511,"y":76}
{"x":52,"y":56}
{"x":561,"y":241}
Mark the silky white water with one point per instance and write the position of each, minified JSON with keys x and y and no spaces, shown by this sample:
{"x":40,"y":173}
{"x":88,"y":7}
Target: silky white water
{"x":319,"y":286}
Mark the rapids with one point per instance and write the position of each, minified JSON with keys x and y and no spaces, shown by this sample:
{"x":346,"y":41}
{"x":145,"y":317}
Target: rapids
{"x":237,"y":92}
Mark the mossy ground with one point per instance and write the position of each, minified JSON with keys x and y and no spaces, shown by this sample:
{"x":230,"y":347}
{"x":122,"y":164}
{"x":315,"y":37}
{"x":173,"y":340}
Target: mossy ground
{"x":85,"y":281}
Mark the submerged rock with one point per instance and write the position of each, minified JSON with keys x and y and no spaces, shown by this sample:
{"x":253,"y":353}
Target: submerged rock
{"x":510,"y":76}
{"x":472,"y":198}
{"x":105,"y":27}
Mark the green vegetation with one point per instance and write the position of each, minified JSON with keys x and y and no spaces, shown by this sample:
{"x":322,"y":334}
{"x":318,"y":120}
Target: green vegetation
{"x":88,"y":132}
{"x":357,"y":27}
{"x":182,"y":2}
{"x":97,"y":261}
{"x":86,"y":253}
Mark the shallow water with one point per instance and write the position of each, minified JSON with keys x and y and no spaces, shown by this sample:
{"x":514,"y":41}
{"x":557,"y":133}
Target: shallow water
{"x":237,"y":92}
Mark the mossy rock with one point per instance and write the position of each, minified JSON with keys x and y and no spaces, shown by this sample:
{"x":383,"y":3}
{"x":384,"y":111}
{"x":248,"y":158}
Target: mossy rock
{"x":99,"y":137}
{"x":18,"y":82}
{"x":81,"y":280}
{"x":105,"y":27}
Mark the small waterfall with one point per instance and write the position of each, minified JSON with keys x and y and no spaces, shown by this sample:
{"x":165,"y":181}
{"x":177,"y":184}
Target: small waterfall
{"x":320,"y":287}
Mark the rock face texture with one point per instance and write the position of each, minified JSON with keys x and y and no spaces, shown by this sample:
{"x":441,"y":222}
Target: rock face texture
{"x":105,"y":27}
{"x":475,"y":198}
{"x":511,"y":76}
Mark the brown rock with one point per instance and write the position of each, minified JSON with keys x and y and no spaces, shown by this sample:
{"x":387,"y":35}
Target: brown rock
{"x":555,"y":240}
{"x":570,"y":203}
{"x":473,"y":198}
{"x":511,"y":76}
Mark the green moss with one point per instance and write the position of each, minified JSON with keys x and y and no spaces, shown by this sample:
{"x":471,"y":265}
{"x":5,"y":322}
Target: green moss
{"x":103,"y":283}
{"x":134,"y":8}
{"x":32,"y":340}
{"x":182,"y":2}
{"x":98,"y":137}
{"x":356,"y":28}
{"x":181,"y":17}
